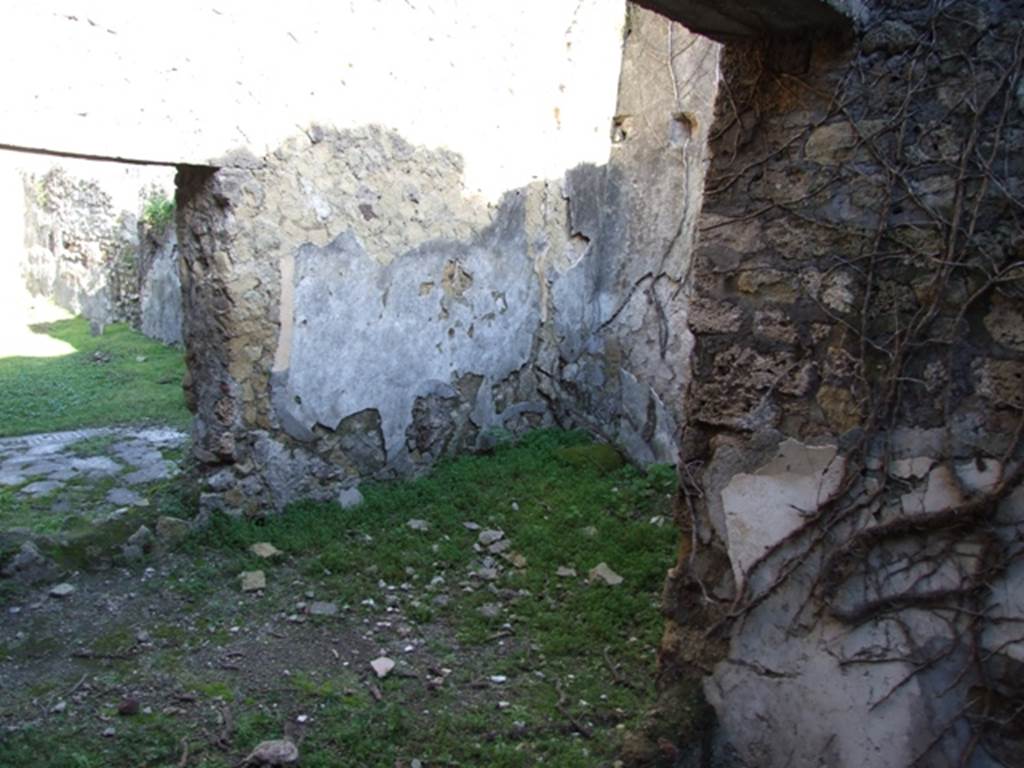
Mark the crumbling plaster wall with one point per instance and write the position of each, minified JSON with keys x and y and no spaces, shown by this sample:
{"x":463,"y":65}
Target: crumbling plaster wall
{"x":852,"y":504}
{"x":352,"y":313}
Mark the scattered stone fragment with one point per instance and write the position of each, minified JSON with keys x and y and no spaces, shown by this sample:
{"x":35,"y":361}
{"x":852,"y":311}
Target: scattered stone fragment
{"x":128,"y":707}
{"x":566,"y":573}
{"x":253,"y":581}
{"x":604,"y":573}
{"x":320,"y":608}
{"x":590,"y":532}
{"x":142,"y":637}
{"x":418,"y":525}
{"x":471,"y":526}
{"x":109,"y":732}
{"x":265,"y":550}
{"x":171,"y":529}
{"x":498,"y":679}
{"x":499,"y":546}
{"x":59,"y":707}
{"x":515,"y":506}
{"x":489,"y":610}
{"x":382,"y":666}
{"x":488,"y":574}
{"x":29,"y":564}
{"x":517,"y":560}
{"x":350,"y":497}
{"x":488,"y":537}
{"x":273,"y":753}
{"x":62,"y":590}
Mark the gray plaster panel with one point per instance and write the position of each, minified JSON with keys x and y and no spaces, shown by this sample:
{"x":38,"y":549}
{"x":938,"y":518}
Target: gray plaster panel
{"x":370,"y":336}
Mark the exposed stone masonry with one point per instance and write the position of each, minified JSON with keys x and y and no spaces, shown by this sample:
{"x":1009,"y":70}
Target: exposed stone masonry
{"x":93,"y":260}
{"x":852,"y":455}
{"x":352,"y":314}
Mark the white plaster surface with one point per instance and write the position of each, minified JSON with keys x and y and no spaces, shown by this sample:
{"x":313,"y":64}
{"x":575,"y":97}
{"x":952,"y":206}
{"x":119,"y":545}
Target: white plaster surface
{"x":764,"y":507}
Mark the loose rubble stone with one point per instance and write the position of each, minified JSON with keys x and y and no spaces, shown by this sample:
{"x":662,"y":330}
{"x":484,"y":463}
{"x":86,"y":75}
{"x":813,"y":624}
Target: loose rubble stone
{"x":418,"y":525}
{"x":265,"y":550}
{"x":273,"y":753}
{"x":320,"y":608}
{"x":517,"y":560}
{"x":499,"y":546}
{"x":566,"y":573}
{"x":604,"y":573}
{"x":62,"y":590}
{"x":382,"y":666}
{"x":350,"y":497}
{"x":488,"y":537}
{"x":253,"y":581}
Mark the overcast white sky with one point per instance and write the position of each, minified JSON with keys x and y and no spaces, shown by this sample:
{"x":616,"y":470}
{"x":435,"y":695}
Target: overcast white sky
{"x":521,"y":89}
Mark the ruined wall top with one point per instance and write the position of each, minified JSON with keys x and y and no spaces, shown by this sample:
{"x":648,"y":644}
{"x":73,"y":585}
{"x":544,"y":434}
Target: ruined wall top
{"x":733,"y":19}
{"x":520,"y":90}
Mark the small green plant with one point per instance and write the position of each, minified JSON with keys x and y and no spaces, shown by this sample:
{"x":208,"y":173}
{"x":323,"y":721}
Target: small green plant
{"x":158,"y":211}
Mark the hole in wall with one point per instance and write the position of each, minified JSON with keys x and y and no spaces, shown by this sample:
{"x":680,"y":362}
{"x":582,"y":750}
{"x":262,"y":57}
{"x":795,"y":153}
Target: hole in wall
{"x":621,"y":128}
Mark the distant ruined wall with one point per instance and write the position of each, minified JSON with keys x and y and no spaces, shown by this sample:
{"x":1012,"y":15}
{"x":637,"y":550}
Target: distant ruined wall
{"x":853,"y":516}
{"x":91,"y":259}
{"x":351,"y":313}
{"x":79,"y":251}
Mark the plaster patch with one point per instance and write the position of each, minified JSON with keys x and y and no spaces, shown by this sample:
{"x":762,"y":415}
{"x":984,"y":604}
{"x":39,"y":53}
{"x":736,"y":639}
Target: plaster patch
{"x":763,"y":508}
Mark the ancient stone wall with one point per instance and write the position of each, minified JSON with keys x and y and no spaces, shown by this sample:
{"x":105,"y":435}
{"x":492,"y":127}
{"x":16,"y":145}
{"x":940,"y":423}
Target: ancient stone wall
{"x":79,"y":251}
{"x":92,"y":256}
{"x":852,"y":505}
{"x":352,"y":313}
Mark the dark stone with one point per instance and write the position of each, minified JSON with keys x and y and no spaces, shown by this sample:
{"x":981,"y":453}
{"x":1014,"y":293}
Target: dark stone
{"x":733,"y":19}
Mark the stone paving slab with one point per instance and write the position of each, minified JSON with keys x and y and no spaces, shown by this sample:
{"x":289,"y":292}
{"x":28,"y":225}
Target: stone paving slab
{"x":39,"y":465}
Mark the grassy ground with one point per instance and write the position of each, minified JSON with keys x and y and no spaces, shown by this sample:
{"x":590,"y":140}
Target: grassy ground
{"x":120,"y":377}
{"x":525,"y":669}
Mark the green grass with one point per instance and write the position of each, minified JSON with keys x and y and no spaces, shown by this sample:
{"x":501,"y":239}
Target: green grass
{"x":556,"y":505}
{"x":567,"y":512}
{"x":158,"y":212}
{"x":77,"y":390}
